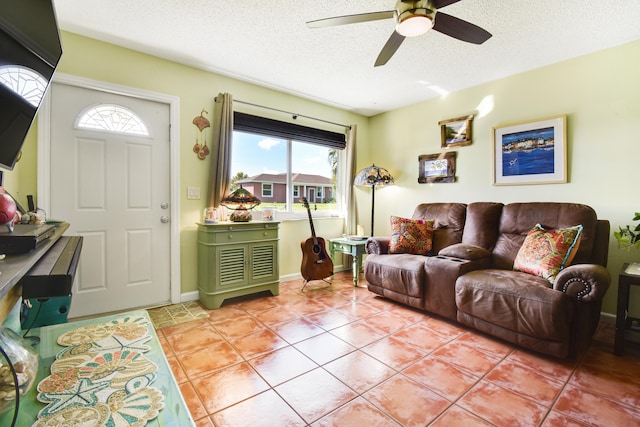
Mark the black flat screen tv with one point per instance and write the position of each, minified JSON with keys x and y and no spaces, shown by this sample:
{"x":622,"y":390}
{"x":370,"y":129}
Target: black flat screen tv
{"x":30,"y":50}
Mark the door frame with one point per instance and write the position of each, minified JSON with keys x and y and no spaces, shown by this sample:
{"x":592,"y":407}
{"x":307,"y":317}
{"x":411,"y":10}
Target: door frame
{"x":44,"y":158}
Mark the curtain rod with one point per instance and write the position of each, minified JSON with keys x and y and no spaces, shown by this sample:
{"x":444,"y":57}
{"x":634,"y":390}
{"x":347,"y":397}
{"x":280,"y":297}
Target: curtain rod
{"x":294,"y":115}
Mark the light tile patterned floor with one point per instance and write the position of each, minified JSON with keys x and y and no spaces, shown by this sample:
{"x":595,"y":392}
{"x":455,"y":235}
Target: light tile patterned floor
{"x":175,"y":314}
{"x":341,"y":356}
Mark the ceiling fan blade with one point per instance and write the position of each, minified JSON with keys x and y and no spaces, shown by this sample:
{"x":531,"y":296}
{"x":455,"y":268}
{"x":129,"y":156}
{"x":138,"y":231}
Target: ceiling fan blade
{"x":389,"y":48}
{"x":351,"y":19}
{"x":439,"y":4}
{"x":460,"y":29}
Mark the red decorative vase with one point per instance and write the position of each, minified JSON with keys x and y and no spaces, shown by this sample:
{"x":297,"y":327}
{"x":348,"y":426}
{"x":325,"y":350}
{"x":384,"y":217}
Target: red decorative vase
{"x":7,"y":210}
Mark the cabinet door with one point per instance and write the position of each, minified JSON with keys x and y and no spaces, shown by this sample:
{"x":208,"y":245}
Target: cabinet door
{"x":264,"y":262}
{"x":231,"y":263}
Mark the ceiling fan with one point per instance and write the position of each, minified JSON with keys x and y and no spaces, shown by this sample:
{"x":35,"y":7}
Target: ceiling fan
{"x":413,"y":18}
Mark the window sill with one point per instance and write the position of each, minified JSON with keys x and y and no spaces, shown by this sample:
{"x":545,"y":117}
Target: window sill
{"x":281,"y":216}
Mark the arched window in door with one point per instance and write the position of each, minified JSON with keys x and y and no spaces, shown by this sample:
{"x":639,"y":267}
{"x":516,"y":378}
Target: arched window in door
{"x":112,"y":118}
{"x":25,"y":82}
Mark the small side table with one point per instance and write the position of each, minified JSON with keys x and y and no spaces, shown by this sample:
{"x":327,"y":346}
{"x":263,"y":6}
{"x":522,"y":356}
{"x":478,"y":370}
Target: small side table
{"x":623,"y":321}
{"x":355,"y":248}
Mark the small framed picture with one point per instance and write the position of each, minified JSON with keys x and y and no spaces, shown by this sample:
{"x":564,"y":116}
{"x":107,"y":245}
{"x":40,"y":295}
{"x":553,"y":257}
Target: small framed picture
{"x":456,"y":132}
{"x":437,"y":167}
{"x":532,"y":152}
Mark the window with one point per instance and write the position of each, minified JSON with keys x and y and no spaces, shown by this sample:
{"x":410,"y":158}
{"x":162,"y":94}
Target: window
{"x":287,"y":166}
{"x":267,"y":190}
{"x":112,"y":118}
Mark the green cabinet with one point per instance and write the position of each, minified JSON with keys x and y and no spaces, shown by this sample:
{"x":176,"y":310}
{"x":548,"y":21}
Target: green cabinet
{"x":235,"y":259}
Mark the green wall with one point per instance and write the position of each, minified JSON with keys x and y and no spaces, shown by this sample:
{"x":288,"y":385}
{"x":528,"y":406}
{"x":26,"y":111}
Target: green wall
{"x":599,"y":93}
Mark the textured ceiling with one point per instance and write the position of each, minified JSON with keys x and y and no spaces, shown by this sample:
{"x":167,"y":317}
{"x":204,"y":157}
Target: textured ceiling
{"x":268,"y":43}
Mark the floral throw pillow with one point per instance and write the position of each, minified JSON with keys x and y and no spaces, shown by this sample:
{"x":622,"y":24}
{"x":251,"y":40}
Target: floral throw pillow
{"x":411,"y":236}
{"x":546,"y":252}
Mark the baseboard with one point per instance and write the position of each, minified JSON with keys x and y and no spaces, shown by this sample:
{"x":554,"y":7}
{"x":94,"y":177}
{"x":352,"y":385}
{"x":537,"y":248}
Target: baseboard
{"x":607,"y":317}
{"x":189,"y":296}
{"x":290,"y":277}
{"x":193,"y":295}
{"x":298,"y":276}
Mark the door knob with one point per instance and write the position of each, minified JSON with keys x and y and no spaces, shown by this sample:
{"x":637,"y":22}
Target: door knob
{"x":164,"y":205}
{"x":164,"y":219}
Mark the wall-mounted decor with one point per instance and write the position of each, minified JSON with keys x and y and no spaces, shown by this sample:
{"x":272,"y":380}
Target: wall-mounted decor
{"x":456,"y":132}
{"x":533,"y":152}
{"x":437,"y":167}
{"x":200,"y":147}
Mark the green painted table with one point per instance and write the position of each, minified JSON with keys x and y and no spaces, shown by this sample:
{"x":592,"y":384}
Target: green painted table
{"x":355,"y":248}
{"x":175,"y":411}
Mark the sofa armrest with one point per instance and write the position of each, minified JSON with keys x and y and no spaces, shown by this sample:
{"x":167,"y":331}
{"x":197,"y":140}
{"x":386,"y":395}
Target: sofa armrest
{"x":441,"y":274}
{"x":378,"y":245}
{"x":466,"y":252}
{"x":584,"y":282}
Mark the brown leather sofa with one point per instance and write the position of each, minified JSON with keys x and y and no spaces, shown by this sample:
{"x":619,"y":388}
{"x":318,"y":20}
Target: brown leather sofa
{"x":469,"y":277}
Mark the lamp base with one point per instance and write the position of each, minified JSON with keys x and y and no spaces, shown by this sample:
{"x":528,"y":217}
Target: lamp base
{"x":240,"y":215}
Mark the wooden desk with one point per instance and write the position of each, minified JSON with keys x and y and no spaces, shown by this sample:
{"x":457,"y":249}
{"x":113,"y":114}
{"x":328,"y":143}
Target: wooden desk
{"x":623,"y":321}
{"x":355,"y":248}
{"x":175,"y":411}
{"x":14,"y":267}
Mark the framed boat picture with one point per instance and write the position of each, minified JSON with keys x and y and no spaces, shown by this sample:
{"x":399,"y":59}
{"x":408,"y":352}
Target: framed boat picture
{"x":532,"y":152}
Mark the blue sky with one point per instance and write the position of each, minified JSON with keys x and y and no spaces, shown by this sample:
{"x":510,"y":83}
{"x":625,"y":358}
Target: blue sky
{"x":255,"y":154}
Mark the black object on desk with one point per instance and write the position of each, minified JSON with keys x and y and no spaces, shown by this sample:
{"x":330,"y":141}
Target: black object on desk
{"x":53,"y":275}
{"x":24,"y":238}
{"x":623,"y":321}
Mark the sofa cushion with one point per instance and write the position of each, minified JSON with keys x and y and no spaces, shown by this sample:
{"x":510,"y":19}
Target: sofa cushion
{"x":516,"y":301}
{"x":517,"y":219}
{"x":546,"y":252}
{"x":482,"y":224}
{"x":448,"y":222}
{"x":410,"y":236}
{"x":400,"y":273}
{"x":464,"y":251}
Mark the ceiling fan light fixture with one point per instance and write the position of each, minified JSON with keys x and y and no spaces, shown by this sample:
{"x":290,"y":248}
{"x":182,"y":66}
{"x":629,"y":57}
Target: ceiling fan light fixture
{"x":413,"y":23}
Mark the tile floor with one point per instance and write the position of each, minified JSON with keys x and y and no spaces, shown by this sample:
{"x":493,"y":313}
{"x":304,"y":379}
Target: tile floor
{"x":170,"y":315}
{"x":341,"y":356}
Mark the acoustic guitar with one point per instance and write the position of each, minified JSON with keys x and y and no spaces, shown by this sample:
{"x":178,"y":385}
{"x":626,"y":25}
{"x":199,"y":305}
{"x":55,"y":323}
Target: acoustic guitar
{"x":316,"y":263}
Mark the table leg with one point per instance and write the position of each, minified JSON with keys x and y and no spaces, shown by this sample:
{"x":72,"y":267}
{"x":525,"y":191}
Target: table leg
{"x":357,"y":263}
{"x":621,"y":314}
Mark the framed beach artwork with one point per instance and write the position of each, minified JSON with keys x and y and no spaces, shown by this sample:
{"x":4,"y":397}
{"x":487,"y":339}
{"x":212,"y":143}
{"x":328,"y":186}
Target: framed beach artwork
{"x":455,"y":132}
{"x":437,"y":167}
{"x":533,"y":152}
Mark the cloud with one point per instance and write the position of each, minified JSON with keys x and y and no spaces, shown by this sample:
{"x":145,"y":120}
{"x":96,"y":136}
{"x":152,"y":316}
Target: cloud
{"x":266,"y":144}
{"x":313,"y":160}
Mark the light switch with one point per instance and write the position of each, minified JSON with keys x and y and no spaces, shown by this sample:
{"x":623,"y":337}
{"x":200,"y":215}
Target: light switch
{"x":193,"y":193}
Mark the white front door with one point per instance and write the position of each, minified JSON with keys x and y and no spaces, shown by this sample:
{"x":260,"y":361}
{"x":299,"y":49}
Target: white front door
{"x":113,"y":187}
